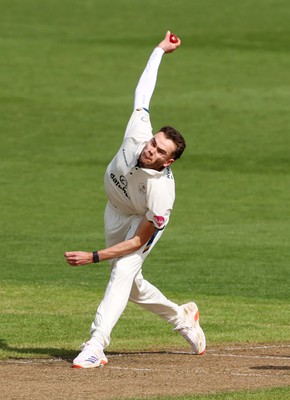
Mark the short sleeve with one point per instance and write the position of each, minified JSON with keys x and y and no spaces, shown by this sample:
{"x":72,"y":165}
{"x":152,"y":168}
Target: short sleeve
{"x":160,"y":200}
{"x":159,"y":221}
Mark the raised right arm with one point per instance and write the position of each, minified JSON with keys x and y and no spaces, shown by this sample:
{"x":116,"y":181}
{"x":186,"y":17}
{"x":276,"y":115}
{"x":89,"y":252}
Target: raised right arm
{"x":147,"y":81}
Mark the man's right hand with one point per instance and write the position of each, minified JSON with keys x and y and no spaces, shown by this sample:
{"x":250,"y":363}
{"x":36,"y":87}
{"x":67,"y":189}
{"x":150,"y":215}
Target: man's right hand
{"x":167,"y":46}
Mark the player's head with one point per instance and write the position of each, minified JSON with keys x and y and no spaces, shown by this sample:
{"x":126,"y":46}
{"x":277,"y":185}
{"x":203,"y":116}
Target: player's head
{"x":163,"y":149}
{"x":176,"y":138}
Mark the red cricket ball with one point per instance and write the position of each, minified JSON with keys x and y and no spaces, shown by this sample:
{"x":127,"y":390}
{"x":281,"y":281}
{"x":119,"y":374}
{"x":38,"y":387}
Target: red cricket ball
{"x":173,"y":38}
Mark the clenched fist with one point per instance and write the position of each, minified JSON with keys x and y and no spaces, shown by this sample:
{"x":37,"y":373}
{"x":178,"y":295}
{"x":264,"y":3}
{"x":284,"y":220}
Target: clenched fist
{"x":78,"y":258}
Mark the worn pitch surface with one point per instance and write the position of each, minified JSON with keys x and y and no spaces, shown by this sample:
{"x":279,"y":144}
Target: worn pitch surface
{"x":144,"y":374}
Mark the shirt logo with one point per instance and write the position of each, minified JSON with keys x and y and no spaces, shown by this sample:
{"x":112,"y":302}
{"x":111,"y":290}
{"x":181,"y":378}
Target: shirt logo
{"x":142,"y":188}
{"x":159,"y":220}
{"x":125,"y":159}
{"x":169,"y":173}
{"x":123,"y":180}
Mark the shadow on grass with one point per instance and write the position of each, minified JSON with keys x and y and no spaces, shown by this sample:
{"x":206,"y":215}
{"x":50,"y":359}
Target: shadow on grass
{"x":69,"y":355}
{"x":29,"y":352}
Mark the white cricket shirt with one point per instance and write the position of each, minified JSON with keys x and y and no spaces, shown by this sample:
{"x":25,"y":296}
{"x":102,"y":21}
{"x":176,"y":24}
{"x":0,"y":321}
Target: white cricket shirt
{"x":134,"y":190}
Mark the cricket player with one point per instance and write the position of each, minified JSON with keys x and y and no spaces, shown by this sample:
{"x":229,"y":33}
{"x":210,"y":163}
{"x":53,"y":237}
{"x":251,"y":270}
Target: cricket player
{"x":140,"y":189}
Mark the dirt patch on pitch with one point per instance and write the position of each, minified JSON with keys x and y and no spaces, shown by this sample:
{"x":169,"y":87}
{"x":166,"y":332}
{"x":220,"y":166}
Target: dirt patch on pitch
{"x":149,"y":374}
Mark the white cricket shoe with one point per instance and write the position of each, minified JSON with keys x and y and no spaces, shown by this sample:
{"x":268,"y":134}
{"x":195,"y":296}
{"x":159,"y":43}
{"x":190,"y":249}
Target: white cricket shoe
{"x":190,"y":329}
{"x":90,"y":357}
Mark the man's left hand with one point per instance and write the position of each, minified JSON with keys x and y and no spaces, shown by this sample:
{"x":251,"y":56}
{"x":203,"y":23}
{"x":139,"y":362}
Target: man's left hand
{"x":78,"y":258}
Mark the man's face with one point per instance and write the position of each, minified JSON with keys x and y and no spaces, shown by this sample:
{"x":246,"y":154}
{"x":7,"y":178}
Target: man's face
{"x":157,"y":154}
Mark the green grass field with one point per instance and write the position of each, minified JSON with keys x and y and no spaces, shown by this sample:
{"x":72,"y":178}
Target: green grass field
{"x":68,"y":72}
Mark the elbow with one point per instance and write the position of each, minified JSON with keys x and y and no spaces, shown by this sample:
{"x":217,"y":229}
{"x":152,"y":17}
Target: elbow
{"x":137,"y":243}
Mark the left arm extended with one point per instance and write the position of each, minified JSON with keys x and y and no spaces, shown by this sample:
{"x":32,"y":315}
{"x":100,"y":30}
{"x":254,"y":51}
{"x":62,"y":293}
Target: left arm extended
{"x":143,"y":233}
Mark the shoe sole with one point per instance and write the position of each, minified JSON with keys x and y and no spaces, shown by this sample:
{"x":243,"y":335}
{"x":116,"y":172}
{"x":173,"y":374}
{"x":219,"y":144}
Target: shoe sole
{"x":103,"y":363}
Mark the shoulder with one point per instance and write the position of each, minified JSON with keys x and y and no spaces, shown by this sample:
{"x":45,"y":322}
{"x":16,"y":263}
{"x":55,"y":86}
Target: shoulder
{"x":162,"y":184}
{"x":139,"y":125}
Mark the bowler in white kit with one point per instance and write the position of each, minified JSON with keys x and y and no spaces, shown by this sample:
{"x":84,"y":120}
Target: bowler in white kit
{"x":140,"y":189}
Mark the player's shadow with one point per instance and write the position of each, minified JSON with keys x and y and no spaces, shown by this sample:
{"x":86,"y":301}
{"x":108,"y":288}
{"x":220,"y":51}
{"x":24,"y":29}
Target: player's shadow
{"x":63,"y":354}
{"x":69,"y":355}
{"x":272,"y":367}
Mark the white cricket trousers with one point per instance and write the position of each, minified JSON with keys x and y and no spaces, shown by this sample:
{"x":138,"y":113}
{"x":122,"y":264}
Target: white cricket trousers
{"x":126,"y":281}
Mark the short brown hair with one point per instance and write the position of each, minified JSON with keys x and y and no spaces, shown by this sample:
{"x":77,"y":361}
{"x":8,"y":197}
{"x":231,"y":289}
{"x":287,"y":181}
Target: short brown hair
{"x":177,"y":139}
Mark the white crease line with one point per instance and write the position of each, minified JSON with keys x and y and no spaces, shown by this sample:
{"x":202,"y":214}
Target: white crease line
{"x":257,"y":375}
{"x":285,"y":358}
{"x":279,"y":346}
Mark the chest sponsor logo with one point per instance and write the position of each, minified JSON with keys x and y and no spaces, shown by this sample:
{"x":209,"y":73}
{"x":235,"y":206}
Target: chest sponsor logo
{"x":120,"y":183}
{"x":159,"y":220}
